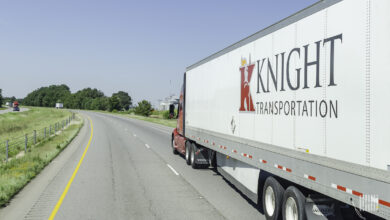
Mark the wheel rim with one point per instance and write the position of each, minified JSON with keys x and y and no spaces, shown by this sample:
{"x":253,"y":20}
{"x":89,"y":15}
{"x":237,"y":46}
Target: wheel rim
{"x":173,"y":144}
{"x":291,"y":209}
{"x":187,"y":153}
{"x":270,"y":201}
{"x":192,"y":156}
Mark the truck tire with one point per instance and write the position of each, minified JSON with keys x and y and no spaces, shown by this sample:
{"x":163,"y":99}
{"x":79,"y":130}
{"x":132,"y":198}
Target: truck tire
{"x":293,"y":204}
{"x":272,"y":199}
{"x":193,"y":156}
{"x":174,"y":151}
{"x":188,"y":153}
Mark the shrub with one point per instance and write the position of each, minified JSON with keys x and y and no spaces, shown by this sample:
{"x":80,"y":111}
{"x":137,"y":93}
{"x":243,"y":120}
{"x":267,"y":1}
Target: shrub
{"x":144,"y":108}
{"x":166,"y":115}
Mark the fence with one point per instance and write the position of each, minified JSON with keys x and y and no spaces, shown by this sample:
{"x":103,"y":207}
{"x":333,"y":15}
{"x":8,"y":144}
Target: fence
{"x":15,"y":145}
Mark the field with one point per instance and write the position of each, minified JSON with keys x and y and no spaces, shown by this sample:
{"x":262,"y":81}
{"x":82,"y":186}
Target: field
{"x":15,"y":174}
{"x":15,"y":125}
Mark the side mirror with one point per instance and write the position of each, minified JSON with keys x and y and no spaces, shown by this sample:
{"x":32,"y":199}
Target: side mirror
{"x":171,"y":111}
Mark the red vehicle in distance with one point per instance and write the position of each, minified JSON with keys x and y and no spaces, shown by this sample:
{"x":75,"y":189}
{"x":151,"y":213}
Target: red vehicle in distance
{"x":16,"y":106}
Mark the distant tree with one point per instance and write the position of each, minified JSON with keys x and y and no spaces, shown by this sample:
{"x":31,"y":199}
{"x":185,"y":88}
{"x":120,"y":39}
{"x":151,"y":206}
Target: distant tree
{"x":100,"y":103}
{"x":144,"y":108}
{"x":9,"y":99}
{"x":114,"y":103}
{"x":124,"y":100}
{"x":12,"y":99}
{"x":83,"y":99}
{"x":1,"y":98}
{"x":88,"y":98}
{"x":47,"y":96}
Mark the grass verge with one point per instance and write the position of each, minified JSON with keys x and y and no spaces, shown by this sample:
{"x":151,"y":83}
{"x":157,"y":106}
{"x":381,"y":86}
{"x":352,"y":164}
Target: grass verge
{"x":167,"y":122}
{"x":19,"y":171}
{"x":14,"y":124}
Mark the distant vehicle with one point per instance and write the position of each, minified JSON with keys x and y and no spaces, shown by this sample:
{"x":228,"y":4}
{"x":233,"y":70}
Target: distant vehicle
{"x":59,"y":105}
{"x":9,"y":104}
{"x":16,"y":106}
{"x":295,"y":116}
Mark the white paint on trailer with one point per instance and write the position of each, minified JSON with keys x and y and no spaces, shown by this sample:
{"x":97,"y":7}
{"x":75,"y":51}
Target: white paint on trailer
{"x":358,"y":135}
{"x":246,"y":174}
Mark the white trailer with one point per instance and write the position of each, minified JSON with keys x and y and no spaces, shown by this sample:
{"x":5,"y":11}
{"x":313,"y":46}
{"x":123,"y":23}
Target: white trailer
{"x":59,"y":105}
{"x":303,"y":102}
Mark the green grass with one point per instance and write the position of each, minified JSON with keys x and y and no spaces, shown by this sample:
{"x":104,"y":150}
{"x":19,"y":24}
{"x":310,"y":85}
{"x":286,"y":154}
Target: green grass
{"x":14,"y":125}
{"x":15,"y":174}
{"x":167,"y":122}
{"x":154,"y":118}
{"x":3,"y":108}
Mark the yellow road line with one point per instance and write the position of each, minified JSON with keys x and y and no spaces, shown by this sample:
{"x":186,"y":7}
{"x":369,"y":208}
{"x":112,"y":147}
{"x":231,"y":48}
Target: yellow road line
{"x":58,"y":205}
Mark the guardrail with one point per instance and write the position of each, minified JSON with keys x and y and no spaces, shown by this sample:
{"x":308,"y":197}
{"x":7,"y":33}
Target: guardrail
{"x":16,"y":145}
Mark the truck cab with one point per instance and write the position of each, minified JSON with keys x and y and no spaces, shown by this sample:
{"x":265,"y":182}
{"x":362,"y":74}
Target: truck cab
{"x":178,"y":138}
{"x":16,"y":106}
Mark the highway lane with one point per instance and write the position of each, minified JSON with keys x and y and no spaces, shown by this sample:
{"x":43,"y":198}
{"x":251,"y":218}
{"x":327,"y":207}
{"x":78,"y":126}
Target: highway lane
{"x":8,"y":109}
{"x":129,"y":172}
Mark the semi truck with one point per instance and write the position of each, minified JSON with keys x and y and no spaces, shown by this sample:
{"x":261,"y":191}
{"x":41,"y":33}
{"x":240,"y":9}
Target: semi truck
{"x":295,"y":116}
{"x":16,"y":106}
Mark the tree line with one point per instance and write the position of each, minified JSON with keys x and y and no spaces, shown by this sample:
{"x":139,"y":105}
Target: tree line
{"x":1,"y":99}
{"x":88,"y":98}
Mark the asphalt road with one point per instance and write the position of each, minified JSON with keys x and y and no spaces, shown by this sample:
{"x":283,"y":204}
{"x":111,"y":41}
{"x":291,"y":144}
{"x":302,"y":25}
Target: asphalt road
{"x":11,"y":110}
{"x":128,"y":172}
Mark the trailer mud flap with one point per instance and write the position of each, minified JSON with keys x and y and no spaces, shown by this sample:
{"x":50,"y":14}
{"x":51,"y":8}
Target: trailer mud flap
{"x":322,"y":208}
{"x":201,"y":155}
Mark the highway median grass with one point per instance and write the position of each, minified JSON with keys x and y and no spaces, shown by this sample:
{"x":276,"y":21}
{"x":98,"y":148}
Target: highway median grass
{"x":16,"y":173}
{"x":19,"y":123}
{"x":15,"y":125}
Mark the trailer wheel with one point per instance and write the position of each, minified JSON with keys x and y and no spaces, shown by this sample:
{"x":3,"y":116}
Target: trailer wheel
{"x":272,"y":199}
{"x":293,"y":204}
{"x":174,"y":151}
{"x":193,"y":156}
{"x":188,"y":153}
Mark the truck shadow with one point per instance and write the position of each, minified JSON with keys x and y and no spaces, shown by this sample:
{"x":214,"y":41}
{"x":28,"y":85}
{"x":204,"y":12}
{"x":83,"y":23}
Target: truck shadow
{"x":257,"y":206}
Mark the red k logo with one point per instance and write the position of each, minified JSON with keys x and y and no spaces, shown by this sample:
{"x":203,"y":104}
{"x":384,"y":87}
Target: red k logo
{"x":246,"y":71}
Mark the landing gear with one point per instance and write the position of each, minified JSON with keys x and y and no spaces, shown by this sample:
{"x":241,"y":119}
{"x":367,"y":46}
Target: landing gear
{"x":213,"y":159}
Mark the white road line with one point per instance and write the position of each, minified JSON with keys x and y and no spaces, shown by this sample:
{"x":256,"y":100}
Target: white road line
{"x":135,"y":135}
{"x":147,"y":146}
{"x":173,"y":170}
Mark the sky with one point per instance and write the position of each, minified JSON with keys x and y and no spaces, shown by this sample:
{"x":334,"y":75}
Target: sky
{"x":140,"y":47}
